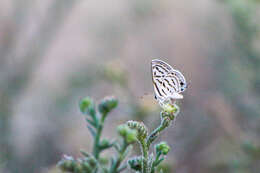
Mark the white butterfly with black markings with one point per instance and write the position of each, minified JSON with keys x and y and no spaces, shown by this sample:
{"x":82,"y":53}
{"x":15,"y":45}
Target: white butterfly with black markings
{"x":168,"y":83}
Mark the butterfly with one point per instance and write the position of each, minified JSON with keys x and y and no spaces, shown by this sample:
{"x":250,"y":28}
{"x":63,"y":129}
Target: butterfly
{"x":168,"y":83}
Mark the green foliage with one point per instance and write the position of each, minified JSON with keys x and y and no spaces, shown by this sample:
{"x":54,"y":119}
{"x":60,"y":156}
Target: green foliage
{"x":129,"y":133}
{"x":147,"y":163}
{"x":140,"y":127}
{"x":93,"y":163}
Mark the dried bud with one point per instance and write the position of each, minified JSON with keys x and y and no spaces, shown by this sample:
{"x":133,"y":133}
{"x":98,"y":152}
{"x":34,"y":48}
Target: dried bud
{"x":107,"y":104}
{"x":140,"y":127}
{"x":163,"y":148}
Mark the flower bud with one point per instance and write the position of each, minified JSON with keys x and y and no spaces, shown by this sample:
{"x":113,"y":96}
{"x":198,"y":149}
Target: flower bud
{"x":140,"y":127}
{"x":104,"y":144}
{"x":86,"y":167}
{"x":129,"y":135}
{"x":170,"y":110}
{"x":107,"y":104}
{"x":163,"y":148}
{"x":67,"y":163}
{"x":78,"y":168}
{"x":122,"y":130}
{"x":84,"y":104}
{"x":92,"y":162}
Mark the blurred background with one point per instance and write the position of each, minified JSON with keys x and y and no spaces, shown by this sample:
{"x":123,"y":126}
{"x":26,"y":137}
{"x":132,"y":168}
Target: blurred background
{"x":54,"y":52}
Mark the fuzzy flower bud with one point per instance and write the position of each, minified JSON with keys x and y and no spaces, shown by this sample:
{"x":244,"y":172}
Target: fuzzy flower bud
{"x":67,"y":163}
{"x":140,"y":127}
{"x":104,"y":144}
{"x":92,"y":162}
{"x":86,"y":167}
{"x":129,"y":135}
{"x":170,"y":110}
{"x":107,"y":104}
{"x":163,"y":148}
{"x":84,"y":104}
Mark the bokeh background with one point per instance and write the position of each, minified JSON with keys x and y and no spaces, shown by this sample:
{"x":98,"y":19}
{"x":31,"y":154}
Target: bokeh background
{"x":54,"y":52}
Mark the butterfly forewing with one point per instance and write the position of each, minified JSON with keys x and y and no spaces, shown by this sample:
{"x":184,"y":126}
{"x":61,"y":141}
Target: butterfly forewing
{"x":166,"y":80}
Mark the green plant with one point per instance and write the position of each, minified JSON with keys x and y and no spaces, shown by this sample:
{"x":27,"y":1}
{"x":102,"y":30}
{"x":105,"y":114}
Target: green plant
{"x":128,"y":133}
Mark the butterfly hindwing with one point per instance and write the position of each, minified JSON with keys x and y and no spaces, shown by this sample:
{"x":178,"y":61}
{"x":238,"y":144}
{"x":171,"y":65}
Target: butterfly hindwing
{"x":167,"y":81}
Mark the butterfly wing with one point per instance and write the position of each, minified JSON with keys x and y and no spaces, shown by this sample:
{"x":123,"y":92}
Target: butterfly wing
{"x":167,"y":82}
{"x":159,"y":71}
{"x":177,"y":80}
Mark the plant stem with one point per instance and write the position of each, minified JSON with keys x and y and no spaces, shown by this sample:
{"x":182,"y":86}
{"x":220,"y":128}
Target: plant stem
{"x":145,"y":150}
{"x":96,"y":149}
{"x":155,"y":162}
{"x":123,"y":167}
{"x":120,"y":158}
{"x":155,"y":133}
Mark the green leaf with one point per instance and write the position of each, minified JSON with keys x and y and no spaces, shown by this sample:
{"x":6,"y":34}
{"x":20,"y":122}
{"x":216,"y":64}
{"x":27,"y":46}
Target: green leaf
{"x":113,"y":161}
{"x":116,"y":146}
{"x":127,"y":151}
{"x":92,"y":111}
{"x":84,"y":153}
{"x":121,"y":168}
{"x":92,"y":131}
{"x":91,"y":122}
{"x":159,"y":161}
{"x":105,"y":144}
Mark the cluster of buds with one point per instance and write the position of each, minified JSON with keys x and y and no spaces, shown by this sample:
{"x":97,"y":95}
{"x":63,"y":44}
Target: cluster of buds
{"x":162,"y":148}
{"x":139,"y":127}
{"x":69,"y":164}
{"x":129,"y":135}
{"x":168,"y":114}
{"x":107,"y":104}
{"x":170,"y":110}
{"x":86,"y":105}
